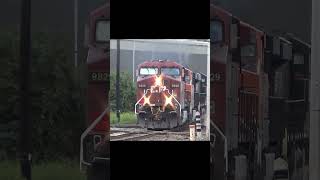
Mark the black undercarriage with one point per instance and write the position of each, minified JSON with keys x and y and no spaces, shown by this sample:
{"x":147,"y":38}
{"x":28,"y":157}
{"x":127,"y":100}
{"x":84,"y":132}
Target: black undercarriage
{"x":158,"y":120}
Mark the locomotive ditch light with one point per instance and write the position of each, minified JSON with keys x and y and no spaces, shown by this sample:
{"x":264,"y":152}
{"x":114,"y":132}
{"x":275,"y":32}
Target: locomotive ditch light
{"x":146,"y":100}
{"x":168,"y":100}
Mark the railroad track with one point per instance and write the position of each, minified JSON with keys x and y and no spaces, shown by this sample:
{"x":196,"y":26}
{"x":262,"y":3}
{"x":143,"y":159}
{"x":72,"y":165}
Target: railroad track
{"x":141,"y":134}
{"x":134,"y":136}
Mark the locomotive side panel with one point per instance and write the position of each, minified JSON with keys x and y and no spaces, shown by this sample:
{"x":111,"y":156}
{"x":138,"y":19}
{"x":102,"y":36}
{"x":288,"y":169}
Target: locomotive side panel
{"x":232,"y":91}
{"x":188,"y":95}
{"x":219,"y":94}
{"x":250,"y":82}
{"x":95,"y":139}
{"x":98,"y":72}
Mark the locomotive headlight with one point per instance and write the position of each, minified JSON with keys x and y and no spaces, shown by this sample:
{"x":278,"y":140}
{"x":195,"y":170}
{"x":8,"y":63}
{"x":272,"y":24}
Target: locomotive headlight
{"x":175,"y":85}
{"x":158,"y":81}
{"x":142,"y":85}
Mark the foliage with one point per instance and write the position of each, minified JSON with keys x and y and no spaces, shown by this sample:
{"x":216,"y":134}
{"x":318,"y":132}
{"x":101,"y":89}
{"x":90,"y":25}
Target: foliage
{"x":125,"y":118}
{"x":8,"y":96}
{"x":56,"y":105}
{"x":127,"y":92}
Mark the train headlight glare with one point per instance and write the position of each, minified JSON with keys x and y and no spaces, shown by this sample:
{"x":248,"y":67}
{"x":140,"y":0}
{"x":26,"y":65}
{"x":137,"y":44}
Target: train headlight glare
{"x":175,"y":85}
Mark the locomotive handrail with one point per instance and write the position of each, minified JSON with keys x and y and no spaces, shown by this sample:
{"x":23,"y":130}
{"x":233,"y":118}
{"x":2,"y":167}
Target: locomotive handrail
{"x":295,"y":101}
{"x":100,"y":158}
{"x":225,"y":143}
{"x":86,"y":132}
{"x":135,"y":106}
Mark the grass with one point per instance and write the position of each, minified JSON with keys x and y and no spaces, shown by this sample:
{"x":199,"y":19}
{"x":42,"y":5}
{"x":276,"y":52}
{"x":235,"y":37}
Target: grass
{"x":10,"y":170}
{"x":125,"y":118}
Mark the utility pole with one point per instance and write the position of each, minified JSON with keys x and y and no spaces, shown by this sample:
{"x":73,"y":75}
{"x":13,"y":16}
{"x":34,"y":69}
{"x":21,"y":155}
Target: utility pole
{"x":75,"y":33}
{"x":118,"y":80}
{"x":314,"y":156}
{"x":152,"y":52}
{"x":24,"y":140}
{"x":133,"y":59}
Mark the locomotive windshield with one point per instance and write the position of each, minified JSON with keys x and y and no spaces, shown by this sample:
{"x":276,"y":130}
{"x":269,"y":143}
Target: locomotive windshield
{"x":102,"y":31}
{"x":148,"y":71}
{"x":216,"y":31}
{"x":170,"y":71}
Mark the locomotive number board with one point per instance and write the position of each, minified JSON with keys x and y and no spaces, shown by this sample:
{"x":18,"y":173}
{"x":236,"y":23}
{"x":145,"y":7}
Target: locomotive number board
{"x":216,"y":77}
{"x":98,"y":76}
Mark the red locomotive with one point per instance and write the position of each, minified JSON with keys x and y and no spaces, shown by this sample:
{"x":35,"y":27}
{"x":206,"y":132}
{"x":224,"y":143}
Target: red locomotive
{"x":237,"y":73}
{"x":95,"y":139}
{"x":165,"y":94}
{"x":237,"y":61}
{"x":254,"y":106}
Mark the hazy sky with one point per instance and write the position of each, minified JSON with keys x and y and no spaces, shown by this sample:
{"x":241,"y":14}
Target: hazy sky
{"x":286,"y":15}
{"x":55,"y":17}
{"x":47,"y":15}
{"x":293,"y":16}
{"x":190,"y":54}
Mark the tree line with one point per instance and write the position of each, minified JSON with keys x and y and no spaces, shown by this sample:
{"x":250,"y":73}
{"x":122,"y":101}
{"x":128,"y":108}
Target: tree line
{"x":57,"y":104}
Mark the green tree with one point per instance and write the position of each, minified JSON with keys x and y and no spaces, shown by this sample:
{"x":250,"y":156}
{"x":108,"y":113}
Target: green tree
{"x":57,"y":108}
{"x":127,"y":92}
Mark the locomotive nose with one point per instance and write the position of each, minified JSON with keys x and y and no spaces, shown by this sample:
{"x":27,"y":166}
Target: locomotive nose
{"x":156,"y":99}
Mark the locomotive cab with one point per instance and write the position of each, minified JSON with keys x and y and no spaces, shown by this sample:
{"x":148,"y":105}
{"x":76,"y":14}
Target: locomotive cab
{"x":95,"y":139}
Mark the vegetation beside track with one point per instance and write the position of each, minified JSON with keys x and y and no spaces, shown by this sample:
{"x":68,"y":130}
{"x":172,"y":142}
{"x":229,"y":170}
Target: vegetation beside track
{"x":127,"y":99}
{"x":125,"y":118}
{"x":62,"y":170}
{"x":127,"y":92}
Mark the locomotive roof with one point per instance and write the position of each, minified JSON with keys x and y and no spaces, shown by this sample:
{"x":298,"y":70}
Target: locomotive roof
{"x":101,"y":11}
{"x":160,"y":63}
{"x":294,"y":38}
{"x":251,"y":27}
{"x":216,"y":8}
{"x":225,"y":12}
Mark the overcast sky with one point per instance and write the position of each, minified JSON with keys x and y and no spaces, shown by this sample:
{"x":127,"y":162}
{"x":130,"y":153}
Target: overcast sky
{"x":50,"y":16}
{"x":189,"y":53}
{"x":53,"y":16}
{"x":286,"y":15}
{"x":293,"y":16}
